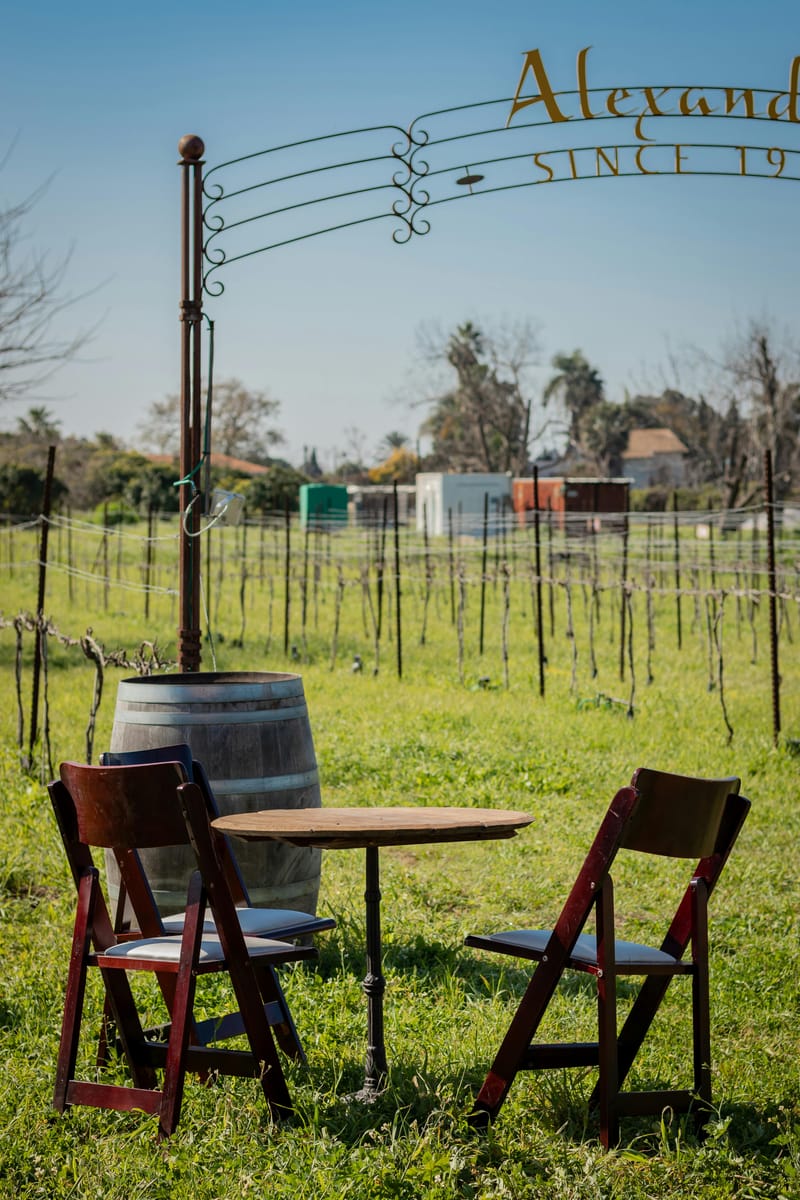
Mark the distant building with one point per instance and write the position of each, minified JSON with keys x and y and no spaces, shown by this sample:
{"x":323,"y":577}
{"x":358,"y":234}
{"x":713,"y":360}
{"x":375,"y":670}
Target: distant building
{"x":367,"y":503}
{"x":221,"y":462}
{"x":654,"y":457}
{"x":581,"y":505}
{"x":459,"y":501}
{"x":322,"y":505}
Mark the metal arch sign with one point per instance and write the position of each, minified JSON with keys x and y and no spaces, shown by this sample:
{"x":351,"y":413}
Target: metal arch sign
{"x":341,"y":180}
{"x":641,"y":103}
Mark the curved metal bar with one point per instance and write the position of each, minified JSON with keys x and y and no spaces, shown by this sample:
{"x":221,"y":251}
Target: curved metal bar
{"x":254,"y":187}
{"x":211,"y":287}
{"x":325,"y":137}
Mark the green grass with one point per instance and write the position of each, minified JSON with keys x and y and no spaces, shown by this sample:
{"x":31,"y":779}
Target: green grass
{"x":430,"y":739}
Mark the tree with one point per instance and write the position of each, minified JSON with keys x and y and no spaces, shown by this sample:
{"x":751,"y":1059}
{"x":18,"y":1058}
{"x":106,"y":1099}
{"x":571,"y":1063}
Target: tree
{"x":31,"y":299}
{"x":400,"y":466}
{"x":241,"y":423}
{"x":39,"y":425}
{"x":22,"y":489}
{"x":273,"y":491}
{"x":579,"y":387}
{"x":764,"y":375}
{"x":483,"y":423}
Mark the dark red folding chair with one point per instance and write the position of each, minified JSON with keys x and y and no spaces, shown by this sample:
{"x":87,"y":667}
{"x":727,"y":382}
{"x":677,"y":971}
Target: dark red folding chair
{"x":276,"y":923}
{"x":659,"y":814}
{"x":126,"y":809}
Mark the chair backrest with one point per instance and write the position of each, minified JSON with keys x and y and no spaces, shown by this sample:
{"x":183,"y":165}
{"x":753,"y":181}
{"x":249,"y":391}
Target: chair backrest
{"x":665,"y":814}
{"x":126,"y":808}
{"x":676,"y":815}
{"x":195,"y":773}
{"x":180,"y":753}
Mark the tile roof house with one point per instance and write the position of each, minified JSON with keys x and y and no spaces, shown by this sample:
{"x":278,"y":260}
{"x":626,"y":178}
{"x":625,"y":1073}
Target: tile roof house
{"x":223,"y":462}
{"x":653,"y":457}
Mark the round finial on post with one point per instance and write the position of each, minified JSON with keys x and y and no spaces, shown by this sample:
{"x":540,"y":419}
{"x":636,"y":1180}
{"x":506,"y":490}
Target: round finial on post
{"x":191,"y":147}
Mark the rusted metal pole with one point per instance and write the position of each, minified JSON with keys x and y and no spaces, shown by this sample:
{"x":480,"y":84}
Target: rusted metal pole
{"x":191,"y":149}
{"x":37,"y":651}
{"x":772,"y":584}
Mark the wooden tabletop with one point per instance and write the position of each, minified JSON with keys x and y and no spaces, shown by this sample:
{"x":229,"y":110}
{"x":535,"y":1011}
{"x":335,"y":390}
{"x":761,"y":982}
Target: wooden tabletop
{"x":350,"y":828}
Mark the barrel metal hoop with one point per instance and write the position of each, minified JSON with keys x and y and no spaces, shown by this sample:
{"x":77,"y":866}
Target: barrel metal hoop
{"x":273,"y":783}
{"x":209,"y":693}
{"x":152,"y":716}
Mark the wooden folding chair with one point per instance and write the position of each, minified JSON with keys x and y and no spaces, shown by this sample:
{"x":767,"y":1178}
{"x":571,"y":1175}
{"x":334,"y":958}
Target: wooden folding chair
{"x":276,"y":923}
{"x":125,"y":809}
{"x":659,"y":814}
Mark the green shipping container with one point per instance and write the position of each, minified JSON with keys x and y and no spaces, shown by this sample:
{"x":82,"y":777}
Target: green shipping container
{"x":322,"y":504}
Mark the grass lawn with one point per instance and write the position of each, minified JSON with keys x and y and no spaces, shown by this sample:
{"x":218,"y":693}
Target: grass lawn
{"x":431,"y":739}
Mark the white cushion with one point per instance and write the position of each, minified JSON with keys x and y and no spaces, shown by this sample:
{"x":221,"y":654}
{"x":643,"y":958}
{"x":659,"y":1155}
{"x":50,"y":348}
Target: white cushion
{"x":255,"y":922}
{"x":168,"y":949}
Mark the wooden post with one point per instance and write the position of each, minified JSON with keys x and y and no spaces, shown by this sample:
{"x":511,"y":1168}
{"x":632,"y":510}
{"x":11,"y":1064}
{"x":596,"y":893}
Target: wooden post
{"x":677,"y":566}
{"x":623,"y":606}
{"x":483,"y":568}
{"x":451,"y":566}
{"x":37,"y":652}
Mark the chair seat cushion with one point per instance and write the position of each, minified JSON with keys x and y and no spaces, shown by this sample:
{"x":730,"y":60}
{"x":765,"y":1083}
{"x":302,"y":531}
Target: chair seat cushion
{"x":168,"y":949}
{"x":532,"y":943}
{"x":262,"y":922}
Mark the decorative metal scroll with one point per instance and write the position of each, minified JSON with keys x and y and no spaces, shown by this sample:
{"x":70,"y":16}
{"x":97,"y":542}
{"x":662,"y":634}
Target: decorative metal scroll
{"x":383,"y":172}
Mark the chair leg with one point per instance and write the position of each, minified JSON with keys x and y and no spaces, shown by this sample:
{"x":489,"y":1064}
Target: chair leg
{"x":76,"y":989}
{"x":608,"y":1075}
{"x":249,"y":999}
{"x":182,"y":1008}
{"x":520,"y":1033}
{"x":286,"y":1034}
{"x":701,"y":1017}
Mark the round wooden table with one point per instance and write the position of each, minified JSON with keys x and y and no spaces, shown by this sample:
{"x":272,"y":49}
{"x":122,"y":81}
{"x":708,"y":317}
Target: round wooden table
{"x":369,"y":829}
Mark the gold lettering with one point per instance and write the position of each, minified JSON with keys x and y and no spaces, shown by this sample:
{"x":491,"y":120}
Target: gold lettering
{"x":542,"y":167}
{"x":601,"y":156}
{"x":573,"y":168}
{"x":731,"y":100}
{"x":533,"y":62}
{"x":790,"y":97}
{"x":652,"y":100}
{"x":582,"y":89}
{"x":639,"y":166}
{"x":742,"y":159}
{"x":639,"y":131}
{"x":701,"y":105}
{"x":781,"y":161}
{"x":679,"y":159}
{"x":613,"y":100}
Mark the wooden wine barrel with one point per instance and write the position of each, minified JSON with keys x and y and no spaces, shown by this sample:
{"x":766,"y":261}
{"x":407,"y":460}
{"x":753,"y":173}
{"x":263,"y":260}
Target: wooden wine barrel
{"x":251,"y":732}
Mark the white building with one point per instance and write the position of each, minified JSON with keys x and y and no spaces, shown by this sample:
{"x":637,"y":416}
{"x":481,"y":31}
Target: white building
{"x":458,"y":501}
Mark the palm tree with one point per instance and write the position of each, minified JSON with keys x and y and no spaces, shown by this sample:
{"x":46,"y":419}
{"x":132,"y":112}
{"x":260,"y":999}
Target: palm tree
{"x":579,"y":387}
{"x":40,"y":425}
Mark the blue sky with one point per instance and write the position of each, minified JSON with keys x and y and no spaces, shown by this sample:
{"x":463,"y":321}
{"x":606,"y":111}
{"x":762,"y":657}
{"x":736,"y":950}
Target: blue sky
{"x":94,"y":98}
